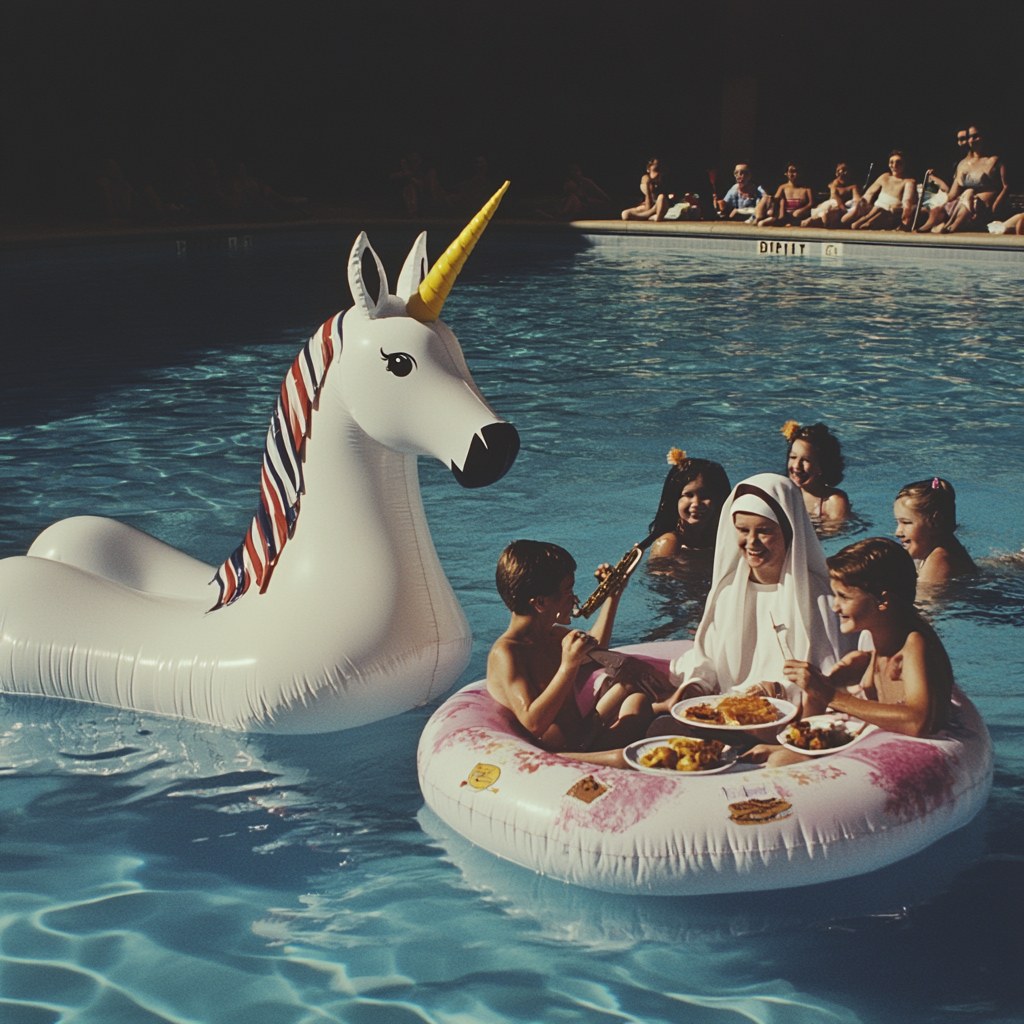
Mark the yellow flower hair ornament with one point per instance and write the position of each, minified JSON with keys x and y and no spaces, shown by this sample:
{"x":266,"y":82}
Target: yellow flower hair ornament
{"x":675,"y":457}
{"x":789,"y":429}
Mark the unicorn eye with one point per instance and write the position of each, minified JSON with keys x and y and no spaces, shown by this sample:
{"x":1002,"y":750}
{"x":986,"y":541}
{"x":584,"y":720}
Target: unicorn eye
{"x":401,"y":364}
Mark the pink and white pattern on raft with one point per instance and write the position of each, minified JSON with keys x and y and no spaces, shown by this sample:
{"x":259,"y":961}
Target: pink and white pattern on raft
{"x":281,"y":482}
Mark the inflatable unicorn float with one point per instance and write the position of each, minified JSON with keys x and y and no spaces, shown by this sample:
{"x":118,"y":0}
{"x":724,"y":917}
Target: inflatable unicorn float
{"x":334,"y":610}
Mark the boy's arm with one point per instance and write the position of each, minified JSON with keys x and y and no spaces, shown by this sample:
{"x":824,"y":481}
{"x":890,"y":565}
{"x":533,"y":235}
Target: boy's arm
{"x":911,"y":718}
{"x":602,"y":629}
{"x":508,"y":684}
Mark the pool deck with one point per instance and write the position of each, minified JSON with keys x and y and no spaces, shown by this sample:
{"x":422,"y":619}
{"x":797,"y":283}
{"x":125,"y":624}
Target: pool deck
{"x":787,"y":241}
{"x":693,"y":235}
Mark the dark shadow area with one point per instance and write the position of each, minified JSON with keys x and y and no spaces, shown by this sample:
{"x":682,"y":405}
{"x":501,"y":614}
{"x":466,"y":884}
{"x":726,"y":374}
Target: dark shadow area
{"x":185,"y":111}
{"x":78,"y":319}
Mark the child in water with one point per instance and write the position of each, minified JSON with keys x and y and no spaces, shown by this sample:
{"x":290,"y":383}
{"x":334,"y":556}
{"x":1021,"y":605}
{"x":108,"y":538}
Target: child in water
{"x":815,"y":464}
{"x":532,"y":667}
{"x":691,"y":501}
{"x":925,"y":520}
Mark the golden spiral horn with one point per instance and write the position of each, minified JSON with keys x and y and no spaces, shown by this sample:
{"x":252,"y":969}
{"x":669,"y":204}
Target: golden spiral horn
{"x":426,"y":304}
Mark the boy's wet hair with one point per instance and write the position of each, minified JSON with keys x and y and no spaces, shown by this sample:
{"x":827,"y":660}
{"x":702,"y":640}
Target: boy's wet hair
{"x":934,"y":499}
{"x":685,"y":472}
{"x":879,"y":566}
{"x":529,"y":569}
{"x":826,"y":447}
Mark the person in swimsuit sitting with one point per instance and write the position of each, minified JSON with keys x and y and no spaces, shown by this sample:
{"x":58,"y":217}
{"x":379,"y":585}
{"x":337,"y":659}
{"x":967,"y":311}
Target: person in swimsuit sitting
{"x":925,"y":514}
{"x":940,"y":208}
{"x":533,"y":665}
{"x":844,"y":195}
{"x":815,"y":464}
{"x":901,"y":679}
{"x":979,"y":189}
{"x":656,"y":195}
{"x":691,"y":501}
{"x":888,"y":193}
{"x":791,"y":203}
{"x":741,"y":202}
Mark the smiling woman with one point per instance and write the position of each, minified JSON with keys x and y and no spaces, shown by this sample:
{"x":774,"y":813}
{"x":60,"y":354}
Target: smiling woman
{"x":770,"y":575}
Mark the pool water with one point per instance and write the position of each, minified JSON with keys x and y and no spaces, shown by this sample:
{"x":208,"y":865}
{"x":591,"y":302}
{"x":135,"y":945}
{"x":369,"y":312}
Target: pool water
{"x":155,"y":870}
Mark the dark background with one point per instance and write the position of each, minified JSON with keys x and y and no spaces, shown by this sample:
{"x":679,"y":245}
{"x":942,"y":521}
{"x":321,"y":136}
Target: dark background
{"x":322,"y":98}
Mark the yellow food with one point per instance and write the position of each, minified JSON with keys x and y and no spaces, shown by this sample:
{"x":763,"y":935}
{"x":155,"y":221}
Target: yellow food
{"x":684,"y":755}
{"x":739,"y":710}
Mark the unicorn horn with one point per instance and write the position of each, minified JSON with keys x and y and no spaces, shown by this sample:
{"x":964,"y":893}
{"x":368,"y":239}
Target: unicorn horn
{"x":426,"y":304}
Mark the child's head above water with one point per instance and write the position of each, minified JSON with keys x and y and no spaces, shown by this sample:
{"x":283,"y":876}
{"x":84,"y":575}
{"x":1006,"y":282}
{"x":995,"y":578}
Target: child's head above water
{"x":934,"y":501}
{"x":707,"y":477}
{"x":529,"y":569}
{"x":880,"y":567}
{"x":814,"y":454}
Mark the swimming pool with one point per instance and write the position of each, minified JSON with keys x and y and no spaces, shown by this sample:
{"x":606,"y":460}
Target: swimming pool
{"x":156,"y":870}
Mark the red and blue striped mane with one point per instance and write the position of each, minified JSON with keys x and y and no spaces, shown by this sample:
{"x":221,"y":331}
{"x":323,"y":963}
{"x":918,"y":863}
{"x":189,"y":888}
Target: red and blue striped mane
{"x":281,"y":481}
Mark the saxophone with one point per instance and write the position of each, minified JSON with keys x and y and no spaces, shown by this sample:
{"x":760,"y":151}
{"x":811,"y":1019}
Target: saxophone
{"x":615,"y":579}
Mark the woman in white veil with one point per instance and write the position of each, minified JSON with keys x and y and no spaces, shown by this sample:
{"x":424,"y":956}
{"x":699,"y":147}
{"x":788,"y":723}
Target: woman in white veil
{"x":770,"y":594}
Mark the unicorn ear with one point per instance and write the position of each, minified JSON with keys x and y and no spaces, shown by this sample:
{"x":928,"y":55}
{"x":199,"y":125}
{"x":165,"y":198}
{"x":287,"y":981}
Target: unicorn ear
{"x":414,"y":269}
{"x":361,"y":294}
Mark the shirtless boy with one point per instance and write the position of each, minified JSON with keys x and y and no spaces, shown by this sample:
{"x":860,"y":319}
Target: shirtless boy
{"x":906,"y":677}
{"x":532,"y":667}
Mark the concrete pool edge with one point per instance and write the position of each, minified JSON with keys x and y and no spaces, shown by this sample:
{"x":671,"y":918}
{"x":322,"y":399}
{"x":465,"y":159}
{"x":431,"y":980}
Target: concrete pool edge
{"x":788,"y":242}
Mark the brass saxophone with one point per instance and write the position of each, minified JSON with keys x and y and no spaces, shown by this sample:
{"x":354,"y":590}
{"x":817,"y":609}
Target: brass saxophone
{"x":614,"y":580}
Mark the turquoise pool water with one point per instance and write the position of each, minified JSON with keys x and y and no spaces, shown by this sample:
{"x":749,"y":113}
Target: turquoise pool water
{"x":153,"y":870}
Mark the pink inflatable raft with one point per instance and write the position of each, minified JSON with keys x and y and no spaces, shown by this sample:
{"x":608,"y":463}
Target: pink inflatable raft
{"x":861,"y":807}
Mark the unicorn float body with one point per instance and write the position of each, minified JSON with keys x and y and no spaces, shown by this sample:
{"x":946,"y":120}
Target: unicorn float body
{"x":334,"y":610}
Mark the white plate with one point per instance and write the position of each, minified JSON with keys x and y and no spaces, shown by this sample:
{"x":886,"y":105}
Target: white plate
{"x":787,"y":712}
{"x":854,"y":726}
{"x":635,"y":751}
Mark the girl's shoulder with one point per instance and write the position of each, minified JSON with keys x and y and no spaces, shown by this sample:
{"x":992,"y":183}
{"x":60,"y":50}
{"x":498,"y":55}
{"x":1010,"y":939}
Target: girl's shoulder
{"x":837,"y":503}
{"x":667,"y":545}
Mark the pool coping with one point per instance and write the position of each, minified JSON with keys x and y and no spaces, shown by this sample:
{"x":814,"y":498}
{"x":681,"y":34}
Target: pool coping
{"x":973,"y":241}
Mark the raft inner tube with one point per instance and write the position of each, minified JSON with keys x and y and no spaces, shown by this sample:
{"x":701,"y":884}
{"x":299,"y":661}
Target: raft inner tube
{"x":748,"y":828}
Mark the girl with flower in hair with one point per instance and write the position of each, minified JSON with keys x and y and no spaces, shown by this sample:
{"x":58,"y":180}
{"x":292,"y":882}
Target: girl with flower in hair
{"x":815,"y":464}
{"x":691,"y":500}
{"x":925,"y":514}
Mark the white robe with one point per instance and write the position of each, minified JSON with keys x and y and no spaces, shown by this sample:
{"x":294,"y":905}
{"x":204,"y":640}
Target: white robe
{"x":735,"y":645}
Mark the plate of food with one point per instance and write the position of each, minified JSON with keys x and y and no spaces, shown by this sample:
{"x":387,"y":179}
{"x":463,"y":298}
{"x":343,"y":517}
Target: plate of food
{"x":822,"y":734}
{"x":676,"y":755}
{"x":741,"y":712}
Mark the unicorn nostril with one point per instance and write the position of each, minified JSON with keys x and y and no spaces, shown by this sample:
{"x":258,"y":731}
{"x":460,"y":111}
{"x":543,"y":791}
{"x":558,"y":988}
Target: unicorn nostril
{"x":491,"y":458}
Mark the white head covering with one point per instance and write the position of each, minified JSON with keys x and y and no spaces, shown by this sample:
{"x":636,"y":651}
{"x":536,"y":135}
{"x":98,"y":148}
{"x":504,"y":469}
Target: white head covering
{"x":801,"y":602}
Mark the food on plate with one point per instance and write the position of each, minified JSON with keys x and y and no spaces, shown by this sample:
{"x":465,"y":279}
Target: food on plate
{"x":684,"y":755}
{"x":807,"y":737}
{"x":745,"y":709}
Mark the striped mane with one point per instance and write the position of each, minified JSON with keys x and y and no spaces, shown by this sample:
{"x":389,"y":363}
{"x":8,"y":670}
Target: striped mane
{"x":281,"y":480}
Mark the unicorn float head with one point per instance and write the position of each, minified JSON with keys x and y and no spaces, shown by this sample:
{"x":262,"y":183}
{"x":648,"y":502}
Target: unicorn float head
{"x":334,"y":610}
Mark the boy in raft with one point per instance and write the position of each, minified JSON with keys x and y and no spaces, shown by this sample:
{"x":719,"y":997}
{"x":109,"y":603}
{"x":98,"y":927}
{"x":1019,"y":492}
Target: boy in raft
{"x":901,"y":679}
{"x":532,"y":667}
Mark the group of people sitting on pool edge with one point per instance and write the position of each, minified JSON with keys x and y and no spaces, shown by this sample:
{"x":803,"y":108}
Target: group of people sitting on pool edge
{"x":975,"y":199}
{"x":779,"y":620}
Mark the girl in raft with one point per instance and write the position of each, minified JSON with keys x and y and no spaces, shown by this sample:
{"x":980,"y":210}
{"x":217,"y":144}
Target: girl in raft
{"x":770,"y":589}
{"x":925,"y":514}
{"x":691,"y":502}
{"x":815,"y":464}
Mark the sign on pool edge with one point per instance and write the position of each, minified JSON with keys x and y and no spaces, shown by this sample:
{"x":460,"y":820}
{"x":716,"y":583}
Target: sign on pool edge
{"x":828,"y":250}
